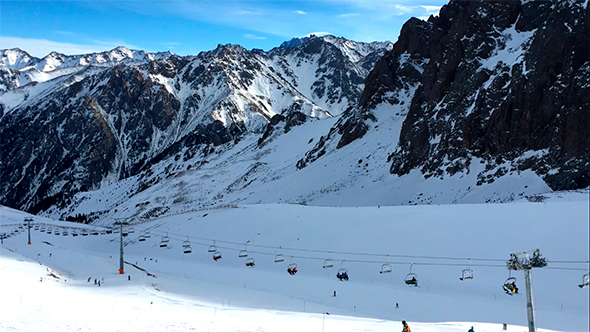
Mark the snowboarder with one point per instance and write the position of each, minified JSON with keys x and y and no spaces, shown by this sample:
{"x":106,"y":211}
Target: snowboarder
{"x":406,"y":327}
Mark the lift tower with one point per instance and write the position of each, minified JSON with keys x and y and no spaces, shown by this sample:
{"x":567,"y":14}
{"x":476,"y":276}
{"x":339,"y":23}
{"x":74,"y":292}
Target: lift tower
{"x":529,"y":259}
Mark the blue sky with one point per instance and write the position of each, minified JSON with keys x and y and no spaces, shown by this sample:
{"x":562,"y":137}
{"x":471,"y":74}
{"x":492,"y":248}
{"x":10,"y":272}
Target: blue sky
{"x":188,"y":27}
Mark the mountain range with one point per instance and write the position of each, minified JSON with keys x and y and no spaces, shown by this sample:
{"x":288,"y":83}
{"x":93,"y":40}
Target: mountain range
{"x":488,"y":101}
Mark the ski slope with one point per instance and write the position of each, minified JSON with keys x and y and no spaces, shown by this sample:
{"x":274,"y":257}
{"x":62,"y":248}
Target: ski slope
{"x":193,"y":292}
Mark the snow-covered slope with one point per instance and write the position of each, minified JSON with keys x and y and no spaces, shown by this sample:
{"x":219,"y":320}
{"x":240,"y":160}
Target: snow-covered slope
{"x":440,"y":242}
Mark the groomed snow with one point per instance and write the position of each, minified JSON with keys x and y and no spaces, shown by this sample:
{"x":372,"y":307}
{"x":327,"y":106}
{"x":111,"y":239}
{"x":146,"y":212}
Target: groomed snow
{"x":193,"y":292}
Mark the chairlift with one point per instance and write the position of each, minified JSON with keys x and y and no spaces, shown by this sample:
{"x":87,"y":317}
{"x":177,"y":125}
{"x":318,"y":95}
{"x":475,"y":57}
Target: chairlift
{"x":186,"y":243}
{"x":42,"y":230}
{"x":292,"y":269}
{"x":250,"y":262}
{"x":56,"y":232}
{"x":84,"y":233}
{"x":243,"y":253}
{"x":163,"y":243}
{"x":386,"y":268}
{"x":109,"y":231}
{"x":131,"y":230}
{"x":146,"y":234}
{"x":466,"y":274}
{"x":65,"y":233}
{"x":125,"y":232}
{"x":36,"y":227}
{"x":510,"y":286}
{"x":74,"y":233}
{"x":103,"y":232}
{"x":212,"y":248}
{"x":216,"y":256}
{"x":48,"y":231}
{"x":279,"y":258}
{"x":585,"y":281}
{"x":411,"y":279}
{"x":94,"y":232}
{"x":141,"y":238}
{"x":328,"y":263}
{"x":342,"y":274}
{"x":187,"y":249}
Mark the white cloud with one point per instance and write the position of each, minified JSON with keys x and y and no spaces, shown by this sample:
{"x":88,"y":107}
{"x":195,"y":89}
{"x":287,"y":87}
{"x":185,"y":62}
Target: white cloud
{"x":318,"y":34}
{"x":41,"y":47}
{"x":300,"y":12}
{"x":349,"y":15}
{"x":251,"y":36}
{"x":431,"y":10}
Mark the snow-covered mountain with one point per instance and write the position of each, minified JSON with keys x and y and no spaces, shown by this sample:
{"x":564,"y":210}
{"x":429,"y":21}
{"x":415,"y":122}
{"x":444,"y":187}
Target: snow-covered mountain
{"x":501,"y":84}
{"x":77,"y":123}
{"x":465,"y":107}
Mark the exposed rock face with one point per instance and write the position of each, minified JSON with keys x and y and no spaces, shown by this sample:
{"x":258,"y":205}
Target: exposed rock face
{"x":504,"y":83}
{"x":94,"y":119}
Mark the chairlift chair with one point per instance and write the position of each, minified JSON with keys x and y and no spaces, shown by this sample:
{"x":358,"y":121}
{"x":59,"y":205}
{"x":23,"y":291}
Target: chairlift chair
{"x":65,"y":233}
{"x":328,"y":263}
{"x":292,"y":269}
{"x":279,"y":258}
{"x":141,"y":238}
{"x":42,"y":230}
{"x":216,"y":256}
{"x":510,"y":286}
{"x":103,"y":232}
{"x":212,"y":248}
{"x":466,"y":274}
{"x":187,"y":249}
{"x":74,"y":233}
{"x":186,"y":243}
{"x":131,"y":230}
{"x":342,"y":274}
{"x":585,"y":280}
{"x":164,"y":241}
{"x":146,"y":234}
{"x":243,"y":253}
{"x":96,"y":233}
{"x":411,"y":278}
{"x":250,"y":262}
{"x":56,"y":232}
{"x":84,"y":233}
{"x":386,"y":268}
{"x":125,"y":232}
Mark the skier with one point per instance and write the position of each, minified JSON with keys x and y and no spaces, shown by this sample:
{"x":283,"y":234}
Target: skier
{"x":397,"y":305}
{"x":406,"y":327}
{"x":128,"y":278}
{"x":99,"y":283}
{"x":89,"y":279}
{"x":471,"y":329}
{"x":95,"y":281}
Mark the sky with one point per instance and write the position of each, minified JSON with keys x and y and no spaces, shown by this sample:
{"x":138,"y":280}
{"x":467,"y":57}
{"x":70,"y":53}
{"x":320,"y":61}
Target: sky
{"x":189,"y":27}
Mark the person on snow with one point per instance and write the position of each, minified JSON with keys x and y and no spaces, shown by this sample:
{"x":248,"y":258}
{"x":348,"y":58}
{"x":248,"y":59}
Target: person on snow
{"x":95,"y":281}
{"x":471,"y":329}
{"x":406,"y":327}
